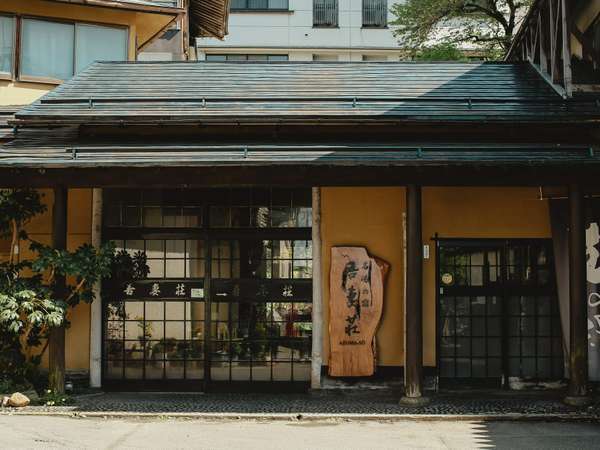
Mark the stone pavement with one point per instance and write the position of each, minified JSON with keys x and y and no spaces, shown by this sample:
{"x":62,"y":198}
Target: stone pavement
{"x":378,"y":404}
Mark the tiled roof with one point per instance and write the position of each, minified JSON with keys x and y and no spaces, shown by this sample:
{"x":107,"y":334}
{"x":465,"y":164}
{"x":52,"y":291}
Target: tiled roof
{"x":183,"y":92}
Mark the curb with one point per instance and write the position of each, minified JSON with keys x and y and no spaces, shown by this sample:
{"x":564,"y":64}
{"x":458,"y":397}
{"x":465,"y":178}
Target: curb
{"x":296,"y":417}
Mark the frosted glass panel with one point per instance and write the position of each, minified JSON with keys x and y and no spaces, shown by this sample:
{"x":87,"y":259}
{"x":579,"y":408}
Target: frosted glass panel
{"x":47,"y":49}
{"x":7,"y":40}
{"x":94,"y":43}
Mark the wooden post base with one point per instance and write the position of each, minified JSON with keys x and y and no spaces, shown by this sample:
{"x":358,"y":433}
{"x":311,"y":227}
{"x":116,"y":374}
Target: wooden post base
{"x":578,"y":401}
{"x":414,"y":402}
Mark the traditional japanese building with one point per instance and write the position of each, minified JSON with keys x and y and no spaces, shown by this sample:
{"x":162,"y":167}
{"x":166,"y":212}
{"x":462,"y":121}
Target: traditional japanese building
{"x":237,"y":181}
{"x":44,"y":42}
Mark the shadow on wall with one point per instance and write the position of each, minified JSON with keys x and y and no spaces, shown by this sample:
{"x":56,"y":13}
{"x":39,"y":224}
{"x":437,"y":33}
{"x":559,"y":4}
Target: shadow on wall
{"x":20,"y":93}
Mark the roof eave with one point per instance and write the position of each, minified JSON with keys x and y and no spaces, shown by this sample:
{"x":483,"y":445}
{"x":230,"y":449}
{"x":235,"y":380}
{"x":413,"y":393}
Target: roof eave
{"x":125,"y":6}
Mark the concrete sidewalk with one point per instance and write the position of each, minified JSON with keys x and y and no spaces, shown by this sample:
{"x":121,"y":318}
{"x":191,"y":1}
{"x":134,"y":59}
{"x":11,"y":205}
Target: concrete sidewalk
{"x":57,"y":432}
{"x":337,"y":404}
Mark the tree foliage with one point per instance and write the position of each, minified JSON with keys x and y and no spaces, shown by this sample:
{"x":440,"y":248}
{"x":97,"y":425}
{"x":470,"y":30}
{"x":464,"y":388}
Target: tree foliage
{"x":85,"y":266}
{"x":440,"y":52}
{"x":487,"y":24}
{"x":17,"y":207}
{"x":30,"y":301}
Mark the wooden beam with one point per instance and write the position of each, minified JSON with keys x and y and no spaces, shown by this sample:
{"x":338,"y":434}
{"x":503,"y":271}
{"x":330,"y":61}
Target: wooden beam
{"x":566,"y":48}
{"x":126,"y":6}
{"x":488,"y":175}
{"x":156,"y":35}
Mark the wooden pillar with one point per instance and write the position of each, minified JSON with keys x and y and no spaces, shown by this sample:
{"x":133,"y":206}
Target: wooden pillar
{"x":56,"y":347}
{"x":317,"y":310}
{"x":578,"y":372}
{"x":96,"y":307}
{"x":413,"y":367}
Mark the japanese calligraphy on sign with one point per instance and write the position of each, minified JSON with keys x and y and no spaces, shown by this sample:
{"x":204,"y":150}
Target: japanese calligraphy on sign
{"x":355,"y":304}
{"x":593,"y":298}
{"x":164,"y":289}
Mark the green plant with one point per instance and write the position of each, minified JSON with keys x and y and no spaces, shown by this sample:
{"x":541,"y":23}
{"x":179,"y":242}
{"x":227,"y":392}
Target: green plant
{"x":26,"y":309}
{"x":485,"y":24}
{"x":440,"y":52}
{"x":167,"y":345}
{"x":86,"y":266}
{"x":17,"y":207}
{"x":34,"y":307}
{"x":53,"y":398}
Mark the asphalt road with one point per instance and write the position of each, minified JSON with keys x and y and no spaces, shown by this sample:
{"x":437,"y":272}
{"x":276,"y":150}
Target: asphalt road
{"x":18,"y":432}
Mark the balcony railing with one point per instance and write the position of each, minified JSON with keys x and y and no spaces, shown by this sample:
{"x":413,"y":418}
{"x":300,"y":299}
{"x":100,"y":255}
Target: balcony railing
{"x":325,"y":13}
{"x":374,"y":13}
{"x":260,"y":5}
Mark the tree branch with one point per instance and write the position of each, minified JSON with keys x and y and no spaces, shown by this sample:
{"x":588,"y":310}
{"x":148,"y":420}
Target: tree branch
{"x":14,"y":240}
{"x":493,"y":13}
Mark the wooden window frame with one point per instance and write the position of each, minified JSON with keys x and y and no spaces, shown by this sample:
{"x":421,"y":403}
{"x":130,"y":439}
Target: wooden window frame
{"x":261,"y":10}
{"x":18,"y":76}
{"x":9,"y":76}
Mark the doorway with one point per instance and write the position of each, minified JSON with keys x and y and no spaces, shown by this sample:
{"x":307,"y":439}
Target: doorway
{"x":227,"y":301}
{"x":497,"y":311}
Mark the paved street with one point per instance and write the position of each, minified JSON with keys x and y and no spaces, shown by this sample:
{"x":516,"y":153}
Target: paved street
{"x":61,"y":432}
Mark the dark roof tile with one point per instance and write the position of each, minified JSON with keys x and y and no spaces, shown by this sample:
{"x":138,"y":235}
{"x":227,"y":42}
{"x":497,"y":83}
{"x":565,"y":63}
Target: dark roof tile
{"x":111,"y":92}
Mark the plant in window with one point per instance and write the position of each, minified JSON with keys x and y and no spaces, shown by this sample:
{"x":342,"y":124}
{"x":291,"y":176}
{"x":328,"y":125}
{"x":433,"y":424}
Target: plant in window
{"x":145,"y":334}
{"x":163,"y":348}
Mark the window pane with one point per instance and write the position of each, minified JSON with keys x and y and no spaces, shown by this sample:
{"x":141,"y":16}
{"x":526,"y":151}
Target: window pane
{"x":218,"y":57}
{"x":7,"y":40}
{"x":279,"y":57}
{"x":47,"y":49}
{"x":257,"y":4}
{"x":278,"y":4}
{"x":94,"y":43}
{"x":237,"y":57}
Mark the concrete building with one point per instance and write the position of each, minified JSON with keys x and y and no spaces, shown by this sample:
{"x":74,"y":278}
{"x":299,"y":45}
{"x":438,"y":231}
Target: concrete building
{"x":305,"y":30}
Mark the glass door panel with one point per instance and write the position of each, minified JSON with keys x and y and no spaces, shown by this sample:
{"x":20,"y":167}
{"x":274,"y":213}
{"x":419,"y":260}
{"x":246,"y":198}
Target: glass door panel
{"x":155,"y":330}
{"x":261,"y":311}
{"x":498,"y":311}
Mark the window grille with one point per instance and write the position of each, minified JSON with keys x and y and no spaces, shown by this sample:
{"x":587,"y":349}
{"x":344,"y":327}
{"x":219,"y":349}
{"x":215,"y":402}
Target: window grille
{"x":325,"y":13}
{"x":374,"y":13}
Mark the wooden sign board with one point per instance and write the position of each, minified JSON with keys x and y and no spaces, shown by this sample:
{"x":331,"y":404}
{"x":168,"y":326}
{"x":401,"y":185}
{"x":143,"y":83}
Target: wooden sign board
{"x":355,"y":308}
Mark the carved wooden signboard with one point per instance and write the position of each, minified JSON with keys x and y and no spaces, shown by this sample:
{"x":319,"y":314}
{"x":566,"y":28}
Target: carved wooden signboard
{"x":355,"y":307}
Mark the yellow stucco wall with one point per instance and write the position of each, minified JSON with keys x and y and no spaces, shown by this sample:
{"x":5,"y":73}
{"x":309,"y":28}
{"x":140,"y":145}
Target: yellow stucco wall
{"x":79,"y":232}
{"x":372,"y":217}
{"x":142,"y":27}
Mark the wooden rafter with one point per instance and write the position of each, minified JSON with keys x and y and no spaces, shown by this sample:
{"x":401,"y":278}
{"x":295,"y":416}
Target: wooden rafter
{"x":544,"y":41}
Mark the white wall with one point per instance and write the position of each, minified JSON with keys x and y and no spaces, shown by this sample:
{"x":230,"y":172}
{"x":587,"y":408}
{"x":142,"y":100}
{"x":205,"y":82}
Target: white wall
{"x":279,"y":31}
